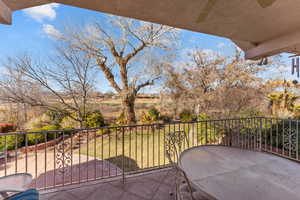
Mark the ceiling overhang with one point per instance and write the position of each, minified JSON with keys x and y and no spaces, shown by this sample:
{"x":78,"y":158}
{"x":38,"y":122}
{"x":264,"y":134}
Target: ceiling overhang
{"x":289,"y":43}
{"x":5,"y":13}
{"x":260,"y":27}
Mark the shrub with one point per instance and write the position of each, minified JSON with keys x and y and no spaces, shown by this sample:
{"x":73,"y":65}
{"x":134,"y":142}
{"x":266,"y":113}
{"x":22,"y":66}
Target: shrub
{"x":249,"y":113}
{"x":36,"y":138}
{"x":51,"y":136}
{"x":150,"y":116}
{"x":69,"y":123}
{"x":145,"y":118}
{"x":166,"y":118}
{"x":187,"y":116}
{"x":55,"y":116}
{"x":121,"y":120}
{"x":38,"y":122}
{"x":94,"y":120}
{"x":48,"y":118}
{"x":11,"y":141}
{"x":277,"y":135}
{"x":104,"y":131}
{"x":154,"y":114}
{"x":203,"y":116}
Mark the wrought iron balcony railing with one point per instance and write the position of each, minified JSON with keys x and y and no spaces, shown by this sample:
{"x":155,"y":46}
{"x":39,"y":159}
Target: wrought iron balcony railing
{"x":63,"y":157}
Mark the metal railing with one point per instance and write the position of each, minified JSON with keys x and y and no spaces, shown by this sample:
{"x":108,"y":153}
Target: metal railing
{"x":64,"y":157}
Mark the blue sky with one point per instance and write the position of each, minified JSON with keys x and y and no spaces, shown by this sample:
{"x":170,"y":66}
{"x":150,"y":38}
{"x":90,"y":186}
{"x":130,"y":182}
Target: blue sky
{"x":30,"y":29}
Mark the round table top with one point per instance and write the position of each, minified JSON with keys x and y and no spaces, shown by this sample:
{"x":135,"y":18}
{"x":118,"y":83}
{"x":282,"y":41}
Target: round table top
{"x":236,"y":174}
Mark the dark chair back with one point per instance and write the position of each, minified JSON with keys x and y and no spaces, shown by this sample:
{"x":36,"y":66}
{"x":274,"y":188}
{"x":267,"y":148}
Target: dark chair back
{"x":31,"y":194}
{"x":174,"y":143}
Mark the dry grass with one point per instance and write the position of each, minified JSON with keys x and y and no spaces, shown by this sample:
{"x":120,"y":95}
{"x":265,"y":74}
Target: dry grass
{"x":110,"y":108}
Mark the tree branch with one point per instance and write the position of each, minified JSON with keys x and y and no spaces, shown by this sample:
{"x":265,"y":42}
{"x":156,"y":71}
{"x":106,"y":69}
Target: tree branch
{"x":145,"y":84}
{"x":108,"y":74}
{"x":135,"y":52}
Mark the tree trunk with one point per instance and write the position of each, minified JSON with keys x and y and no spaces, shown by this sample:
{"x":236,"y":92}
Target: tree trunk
{"x":128,"y":102}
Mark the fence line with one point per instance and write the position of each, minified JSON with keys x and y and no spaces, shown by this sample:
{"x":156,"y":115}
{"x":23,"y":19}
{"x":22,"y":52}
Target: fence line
{"x":63,"y":157}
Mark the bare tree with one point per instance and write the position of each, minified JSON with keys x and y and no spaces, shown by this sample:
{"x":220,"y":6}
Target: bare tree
{"x":63,"y":84}
{"x":191,"y":84}
{"x":201,"y":74}
{"x":123,"y":49}
{"x":240,"y":87}
{"x":174,"y":90}
{"x":216,"y":85}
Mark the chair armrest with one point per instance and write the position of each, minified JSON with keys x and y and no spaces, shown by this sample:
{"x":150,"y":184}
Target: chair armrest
{"x":15,"y":182}
{"x":11,"y":189}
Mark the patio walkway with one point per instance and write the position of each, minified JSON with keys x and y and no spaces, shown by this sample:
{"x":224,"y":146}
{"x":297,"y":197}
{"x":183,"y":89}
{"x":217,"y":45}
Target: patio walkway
{"x":155,"y":185}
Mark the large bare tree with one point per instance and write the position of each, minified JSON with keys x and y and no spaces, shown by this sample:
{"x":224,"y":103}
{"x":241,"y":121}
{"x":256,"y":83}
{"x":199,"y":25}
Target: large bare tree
{"x":191,"y":84}
{"x":201,"y":75}
{"x":240,"y":88}
{"x":124,"y":49}
{"x":61,"y":84}
{"x":216,"y":85}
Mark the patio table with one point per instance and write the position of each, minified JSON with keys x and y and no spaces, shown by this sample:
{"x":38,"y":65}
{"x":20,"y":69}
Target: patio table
{"x":233,"y":174}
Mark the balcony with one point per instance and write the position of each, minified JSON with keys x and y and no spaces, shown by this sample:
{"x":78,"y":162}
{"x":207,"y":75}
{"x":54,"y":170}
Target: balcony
{"x":129,"y":162}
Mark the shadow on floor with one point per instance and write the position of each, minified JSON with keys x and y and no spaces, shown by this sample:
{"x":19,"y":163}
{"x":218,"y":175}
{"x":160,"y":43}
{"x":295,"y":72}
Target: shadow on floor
{"x":155,"y":185}
{"x":129,"y":163}
{"x":82,"y":172}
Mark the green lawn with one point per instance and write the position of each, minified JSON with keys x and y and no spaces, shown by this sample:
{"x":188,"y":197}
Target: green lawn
{"x":143,"y":147}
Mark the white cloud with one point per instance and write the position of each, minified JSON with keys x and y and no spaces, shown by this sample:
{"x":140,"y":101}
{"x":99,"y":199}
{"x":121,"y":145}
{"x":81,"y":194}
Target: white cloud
{"x":221,"y":45}
{"x":51,"y":31}
{"x":4,"y":71}
{"x":43,"y":12}
{"x":209,"y":52}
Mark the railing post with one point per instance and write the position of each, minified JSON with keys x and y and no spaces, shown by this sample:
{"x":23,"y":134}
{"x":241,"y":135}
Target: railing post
{"x":123,"y":155}
{"x":239,"y":134}
{"x":206,"y":132}
{"x":260,"y":134}
{"x":297,"y":140}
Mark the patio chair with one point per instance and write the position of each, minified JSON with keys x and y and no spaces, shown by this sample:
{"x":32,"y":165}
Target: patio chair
{"x":174,"y":142}
{"x":31,"y":194}
{"x":184,"y":190}
{"x":14,"y":183}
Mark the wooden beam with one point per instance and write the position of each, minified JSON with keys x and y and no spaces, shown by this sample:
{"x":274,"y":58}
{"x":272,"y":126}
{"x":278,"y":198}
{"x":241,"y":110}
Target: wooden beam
{"x":278,"y":45}
{"x":5,"y":13}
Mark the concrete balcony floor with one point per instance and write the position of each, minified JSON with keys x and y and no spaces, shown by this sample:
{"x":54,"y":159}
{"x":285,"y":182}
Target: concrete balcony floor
{"x":154,"y":185}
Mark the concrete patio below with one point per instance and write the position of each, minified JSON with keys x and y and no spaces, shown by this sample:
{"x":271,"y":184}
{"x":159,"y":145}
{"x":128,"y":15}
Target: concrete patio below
{"x":154,"y":185}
